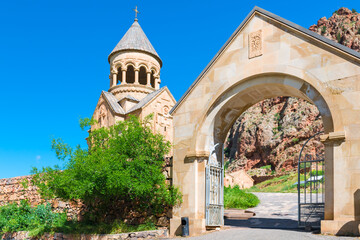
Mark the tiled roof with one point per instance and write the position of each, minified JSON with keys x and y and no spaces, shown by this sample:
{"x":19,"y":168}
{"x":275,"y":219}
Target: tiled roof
{"x":135,"y":39}
{"x":113,"y":102}
{"x":130,"y":98}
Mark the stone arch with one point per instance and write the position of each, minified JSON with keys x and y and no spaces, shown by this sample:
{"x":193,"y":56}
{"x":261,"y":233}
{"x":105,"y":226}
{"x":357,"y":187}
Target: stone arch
{"x":142,"y":75}
{"x":154,"y":70}
{"x":119,"y":76}
{"x":130,"y":63}
{"x":130,"y":73}
{"x":144,"y":65}
{"x":225,"y":109}
{"x":117,"y":65}
{"x":232,"y":102}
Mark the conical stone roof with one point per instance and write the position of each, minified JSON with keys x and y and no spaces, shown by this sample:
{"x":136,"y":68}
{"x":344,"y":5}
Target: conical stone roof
{"x":135,"y":39}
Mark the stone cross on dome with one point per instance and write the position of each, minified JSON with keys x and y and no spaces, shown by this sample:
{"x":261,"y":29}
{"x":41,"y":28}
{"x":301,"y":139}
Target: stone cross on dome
{"x":136,"y":13}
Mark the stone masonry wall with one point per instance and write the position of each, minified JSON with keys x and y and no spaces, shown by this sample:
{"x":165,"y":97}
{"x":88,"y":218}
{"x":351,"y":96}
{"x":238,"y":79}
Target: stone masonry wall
{"x":20,"y":188}
{"x":152,"y":234}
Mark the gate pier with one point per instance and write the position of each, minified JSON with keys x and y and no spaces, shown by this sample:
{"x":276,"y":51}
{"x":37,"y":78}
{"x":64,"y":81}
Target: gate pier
{"x":189,"y":174}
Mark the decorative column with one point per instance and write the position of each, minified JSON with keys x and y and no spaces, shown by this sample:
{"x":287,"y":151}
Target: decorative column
{"x":157,"y":82}
{"x":148,"y":79}
{"x":114,"y":79}
{"x":124,"y":75}
{"x":136,"y":75}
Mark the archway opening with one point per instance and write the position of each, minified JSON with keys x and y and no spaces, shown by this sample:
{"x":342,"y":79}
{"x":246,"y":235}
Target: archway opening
{"x":119,"y":76}
{"x":130,"y":74}
{"x":236,"y":100}
{"x":152,"y":78}
{"x":261,"y":154}
{"x":142,"y":76}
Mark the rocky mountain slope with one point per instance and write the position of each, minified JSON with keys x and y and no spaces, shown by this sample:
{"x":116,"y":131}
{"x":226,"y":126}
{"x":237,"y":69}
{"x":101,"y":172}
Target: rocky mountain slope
{"x":343,"y":26}
{"x":273,"y":131}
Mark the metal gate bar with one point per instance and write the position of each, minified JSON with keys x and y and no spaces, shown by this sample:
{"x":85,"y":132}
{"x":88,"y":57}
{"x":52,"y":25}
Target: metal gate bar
{"x":311,"y":201}
{"x":214,"y":196}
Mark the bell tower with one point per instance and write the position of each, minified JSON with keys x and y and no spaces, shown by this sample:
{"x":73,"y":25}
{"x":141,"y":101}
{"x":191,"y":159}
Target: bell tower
{"x":135,"y":85}
{"x":134,"y":65}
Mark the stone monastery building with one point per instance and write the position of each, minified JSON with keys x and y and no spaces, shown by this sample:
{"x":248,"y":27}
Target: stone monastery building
{"x":135,"y":85}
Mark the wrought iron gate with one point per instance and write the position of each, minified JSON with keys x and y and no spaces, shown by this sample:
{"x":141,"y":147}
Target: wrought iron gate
{"x":311,"y":183}
{"x":214,"y":191}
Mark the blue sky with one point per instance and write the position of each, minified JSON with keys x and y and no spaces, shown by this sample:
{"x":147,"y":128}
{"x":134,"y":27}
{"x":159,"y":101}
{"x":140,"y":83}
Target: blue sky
{"x":53,"y":59}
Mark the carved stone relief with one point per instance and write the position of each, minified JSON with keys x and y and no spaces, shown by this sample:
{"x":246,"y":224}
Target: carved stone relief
{"x":103,"y":120}
{"x":255,"y":44}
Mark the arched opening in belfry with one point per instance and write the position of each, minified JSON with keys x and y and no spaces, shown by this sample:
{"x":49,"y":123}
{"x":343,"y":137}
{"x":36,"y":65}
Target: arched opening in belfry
{"x":119,"y":76}
{"x":130,"y":74}
{"x":142,"y":76}
{"x":152,"y":78}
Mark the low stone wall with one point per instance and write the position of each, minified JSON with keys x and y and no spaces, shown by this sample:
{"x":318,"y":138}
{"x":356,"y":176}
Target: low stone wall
{"x":20,"y":188}
{"x":161,"y":233}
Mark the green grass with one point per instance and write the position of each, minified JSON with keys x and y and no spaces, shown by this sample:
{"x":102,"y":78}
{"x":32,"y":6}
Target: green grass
{"x":237,"y":198}
{"x":279,"y":184}
{"x":283,"y":184}
{"x":266,"y":167}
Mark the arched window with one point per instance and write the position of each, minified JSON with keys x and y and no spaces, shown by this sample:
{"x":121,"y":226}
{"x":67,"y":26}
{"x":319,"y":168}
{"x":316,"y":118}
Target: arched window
{"x":152,"y":79}
{"x":142,"y":76}
{"x":130,"y":74}
{"x":119,"y":76}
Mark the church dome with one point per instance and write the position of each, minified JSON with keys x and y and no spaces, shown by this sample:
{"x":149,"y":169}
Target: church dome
{"x":135,"y":39}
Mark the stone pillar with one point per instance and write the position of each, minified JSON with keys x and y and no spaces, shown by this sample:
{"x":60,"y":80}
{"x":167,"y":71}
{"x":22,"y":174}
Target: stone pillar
{"x":342,"y":181}
{"x":329,"y":181}
{"x":136,"y":75}
{"x":111,"y":80}
{"x":124,"y":75}
{"x":189,"y":176}
{"x":148,"y":79}
{"x":114,"y":79}
{"x":157,"y":82}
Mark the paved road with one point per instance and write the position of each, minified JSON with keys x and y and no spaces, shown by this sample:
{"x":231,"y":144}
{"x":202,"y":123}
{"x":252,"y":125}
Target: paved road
{"x":275,"y":211}
{"x":276,"y":219}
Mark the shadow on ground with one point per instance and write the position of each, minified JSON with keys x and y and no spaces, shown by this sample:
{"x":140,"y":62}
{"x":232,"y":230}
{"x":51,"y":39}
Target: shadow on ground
{"x":265,"y":223}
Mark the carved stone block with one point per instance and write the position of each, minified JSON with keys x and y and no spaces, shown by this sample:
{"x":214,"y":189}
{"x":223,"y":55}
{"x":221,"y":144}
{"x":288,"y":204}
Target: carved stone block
{"x":255,"y":44}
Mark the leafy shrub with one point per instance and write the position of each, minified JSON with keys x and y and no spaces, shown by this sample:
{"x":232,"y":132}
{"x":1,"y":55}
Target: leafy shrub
{"x":338,"y":37}
{"x":226,"y":165}
{"x":22,"y":217}
{"x":118,"y":175}
{"x":353,"y":10}
{"x":237,"y":198}
{"x":323,"y":30}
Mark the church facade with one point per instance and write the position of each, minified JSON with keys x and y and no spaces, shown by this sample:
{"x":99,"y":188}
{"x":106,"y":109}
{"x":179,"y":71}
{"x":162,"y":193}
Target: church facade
{"x":135,"y":85}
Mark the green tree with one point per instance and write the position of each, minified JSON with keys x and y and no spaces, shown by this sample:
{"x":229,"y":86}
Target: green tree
{"x":118,"y":174}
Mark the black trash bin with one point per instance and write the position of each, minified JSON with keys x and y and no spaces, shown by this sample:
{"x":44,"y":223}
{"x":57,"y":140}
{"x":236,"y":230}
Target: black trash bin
{"x":185,"y":226}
